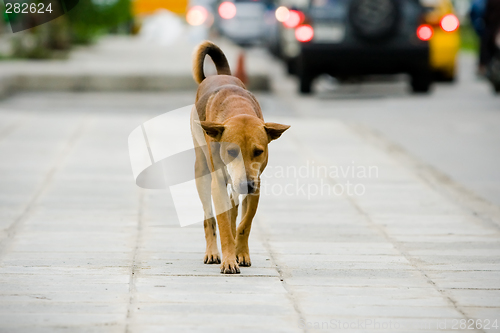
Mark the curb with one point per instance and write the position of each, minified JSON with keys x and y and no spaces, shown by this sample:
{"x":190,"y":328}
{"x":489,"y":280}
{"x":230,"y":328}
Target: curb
{"x":5,"y":86}
{"x":110,"y":83}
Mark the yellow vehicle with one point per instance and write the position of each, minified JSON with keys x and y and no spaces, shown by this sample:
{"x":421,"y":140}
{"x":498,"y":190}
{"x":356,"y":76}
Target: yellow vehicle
{"x":145,"y":7}
{"x":445,"y":41}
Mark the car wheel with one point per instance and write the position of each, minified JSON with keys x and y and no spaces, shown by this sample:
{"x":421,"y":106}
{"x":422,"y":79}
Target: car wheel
{"x":493,"y":72}
{"x":496,"y":87}
{"x":420,"y":83}
{"x":291,"y":67}
{"x":305,"y":84}
{"x":445,"y":76}
{"x":449,"y":78}
{"x":305,"y":74}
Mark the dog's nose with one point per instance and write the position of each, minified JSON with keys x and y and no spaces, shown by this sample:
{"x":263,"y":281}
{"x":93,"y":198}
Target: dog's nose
{"x":247,"y":187}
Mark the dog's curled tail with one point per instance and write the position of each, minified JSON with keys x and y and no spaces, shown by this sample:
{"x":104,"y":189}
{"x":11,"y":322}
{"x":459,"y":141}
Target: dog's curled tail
{"x":218,"y":57}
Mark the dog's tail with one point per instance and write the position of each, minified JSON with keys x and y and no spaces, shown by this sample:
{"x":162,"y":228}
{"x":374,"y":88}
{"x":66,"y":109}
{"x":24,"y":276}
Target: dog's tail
{"x":218,"y":57}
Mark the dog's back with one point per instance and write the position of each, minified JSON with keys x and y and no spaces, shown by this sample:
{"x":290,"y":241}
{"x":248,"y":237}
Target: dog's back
{"x":218,"y":86}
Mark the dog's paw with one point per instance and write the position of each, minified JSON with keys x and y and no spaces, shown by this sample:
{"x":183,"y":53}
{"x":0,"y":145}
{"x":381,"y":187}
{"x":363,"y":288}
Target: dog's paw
{"x":229,"y":266}
{"x":211,"y":258}
{"x":243,"y":259}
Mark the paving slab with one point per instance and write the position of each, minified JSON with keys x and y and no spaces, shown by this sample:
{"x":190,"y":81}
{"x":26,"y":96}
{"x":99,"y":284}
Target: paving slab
{"x":85,"y":250}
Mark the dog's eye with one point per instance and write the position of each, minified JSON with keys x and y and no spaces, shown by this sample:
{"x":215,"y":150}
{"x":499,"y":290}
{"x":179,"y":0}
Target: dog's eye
{"x":257,"y":152}
{"x":232,"y":152}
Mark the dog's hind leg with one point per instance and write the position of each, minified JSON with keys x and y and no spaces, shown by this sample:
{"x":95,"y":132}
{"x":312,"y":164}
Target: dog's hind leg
{"x":203,"y":184}
{"x":212,"y":255}
{"x":249,"y":208}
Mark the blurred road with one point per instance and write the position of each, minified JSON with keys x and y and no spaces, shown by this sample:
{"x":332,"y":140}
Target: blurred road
{"x":456,"y":129}
{"x":83,"y":249}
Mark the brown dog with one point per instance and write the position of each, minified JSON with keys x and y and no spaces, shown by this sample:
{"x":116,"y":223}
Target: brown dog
{"x":236,"y":155}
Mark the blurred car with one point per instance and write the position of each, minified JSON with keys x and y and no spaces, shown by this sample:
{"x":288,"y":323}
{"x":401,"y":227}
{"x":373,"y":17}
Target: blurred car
{"x":445,"y":41}
{"x":347,"y":38}
{"x":148,"y":7}
{"x":243,"y":21}
{"x":276,"y":26}
{"x":493,"y":70}
{"x":271,"y":38}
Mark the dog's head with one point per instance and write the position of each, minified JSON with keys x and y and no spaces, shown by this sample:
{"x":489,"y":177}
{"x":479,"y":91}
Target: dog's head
{"x":243,"y":148}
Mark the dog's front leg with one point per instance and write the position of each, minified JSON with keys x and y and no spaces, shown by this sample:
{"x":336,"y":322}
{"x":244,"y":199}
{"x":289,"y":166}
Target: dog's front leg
{"x":233,"y":213}
{"x":223,"y":205}
{"x":204,"y":184}
{"x":250,"y":204}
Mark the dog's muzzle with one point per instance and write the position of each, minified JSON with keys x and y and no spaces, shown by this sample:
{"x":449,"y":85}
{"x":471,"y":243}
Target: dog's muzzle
{"x":247,"y":187}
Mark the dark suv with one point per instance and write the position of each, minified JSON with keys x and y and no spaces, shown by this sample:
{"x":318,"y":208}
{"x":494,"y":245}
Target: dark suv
{"x":346,"y":38}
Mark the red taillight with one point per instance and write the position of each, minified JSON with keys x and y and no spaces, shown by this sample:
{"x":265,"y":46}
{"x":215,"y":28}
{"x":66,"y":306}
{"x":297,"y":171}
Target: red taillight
{"x":196,"y":15}
{"x":227,"y":10}
{"x":450,"y":23}
{"x":424,"y":32}
{"x":294,"y":19}
{"x":304,"y":33}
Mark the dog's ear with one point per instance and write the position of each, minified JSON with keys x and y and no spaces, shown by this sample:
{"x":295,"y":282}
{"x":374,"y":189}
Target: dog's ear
{"x":213,"y":130}
{"x":274,"y":130}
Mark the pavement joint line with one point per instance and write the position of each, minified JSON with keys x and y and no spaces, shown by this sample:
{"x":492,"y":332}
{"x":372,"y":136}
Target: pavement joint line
{"x":135,"y":262}
{"x":333,"y":262}
{"x":215,"y":275}
{"x":479,"y":207}
{"x":10,"y":233}
{"x":381,"y":229}
{"x":147,"y":144}
{"x":456,"y":288}
{"x":289,"y":292}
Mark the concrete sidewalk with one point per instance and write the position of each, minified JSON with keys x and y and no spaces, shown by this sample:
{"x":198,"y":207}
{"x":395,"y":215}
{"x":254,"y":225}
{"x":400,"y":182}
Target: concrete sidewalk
{"x":82,"y":249}
{"x":123,"y":63}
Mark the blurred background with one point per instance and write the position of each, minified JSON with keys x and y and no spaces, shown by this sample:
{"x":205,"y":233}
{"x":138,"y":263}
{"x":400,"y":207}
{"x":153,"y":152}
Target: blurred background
{"x":269,"y":24}
{"x":408,"y":86}
{"x":425,"y":73}
{"x":344,"y":39}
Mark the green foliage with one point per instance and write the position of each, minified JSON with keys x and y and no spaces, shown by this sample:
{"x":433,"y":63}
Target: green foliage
{"x":469,"y":38}
{"x":4,"y":14}
{"x":81,"y":25}
{"x":43,"y":41}
{"x":91,"y":18}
